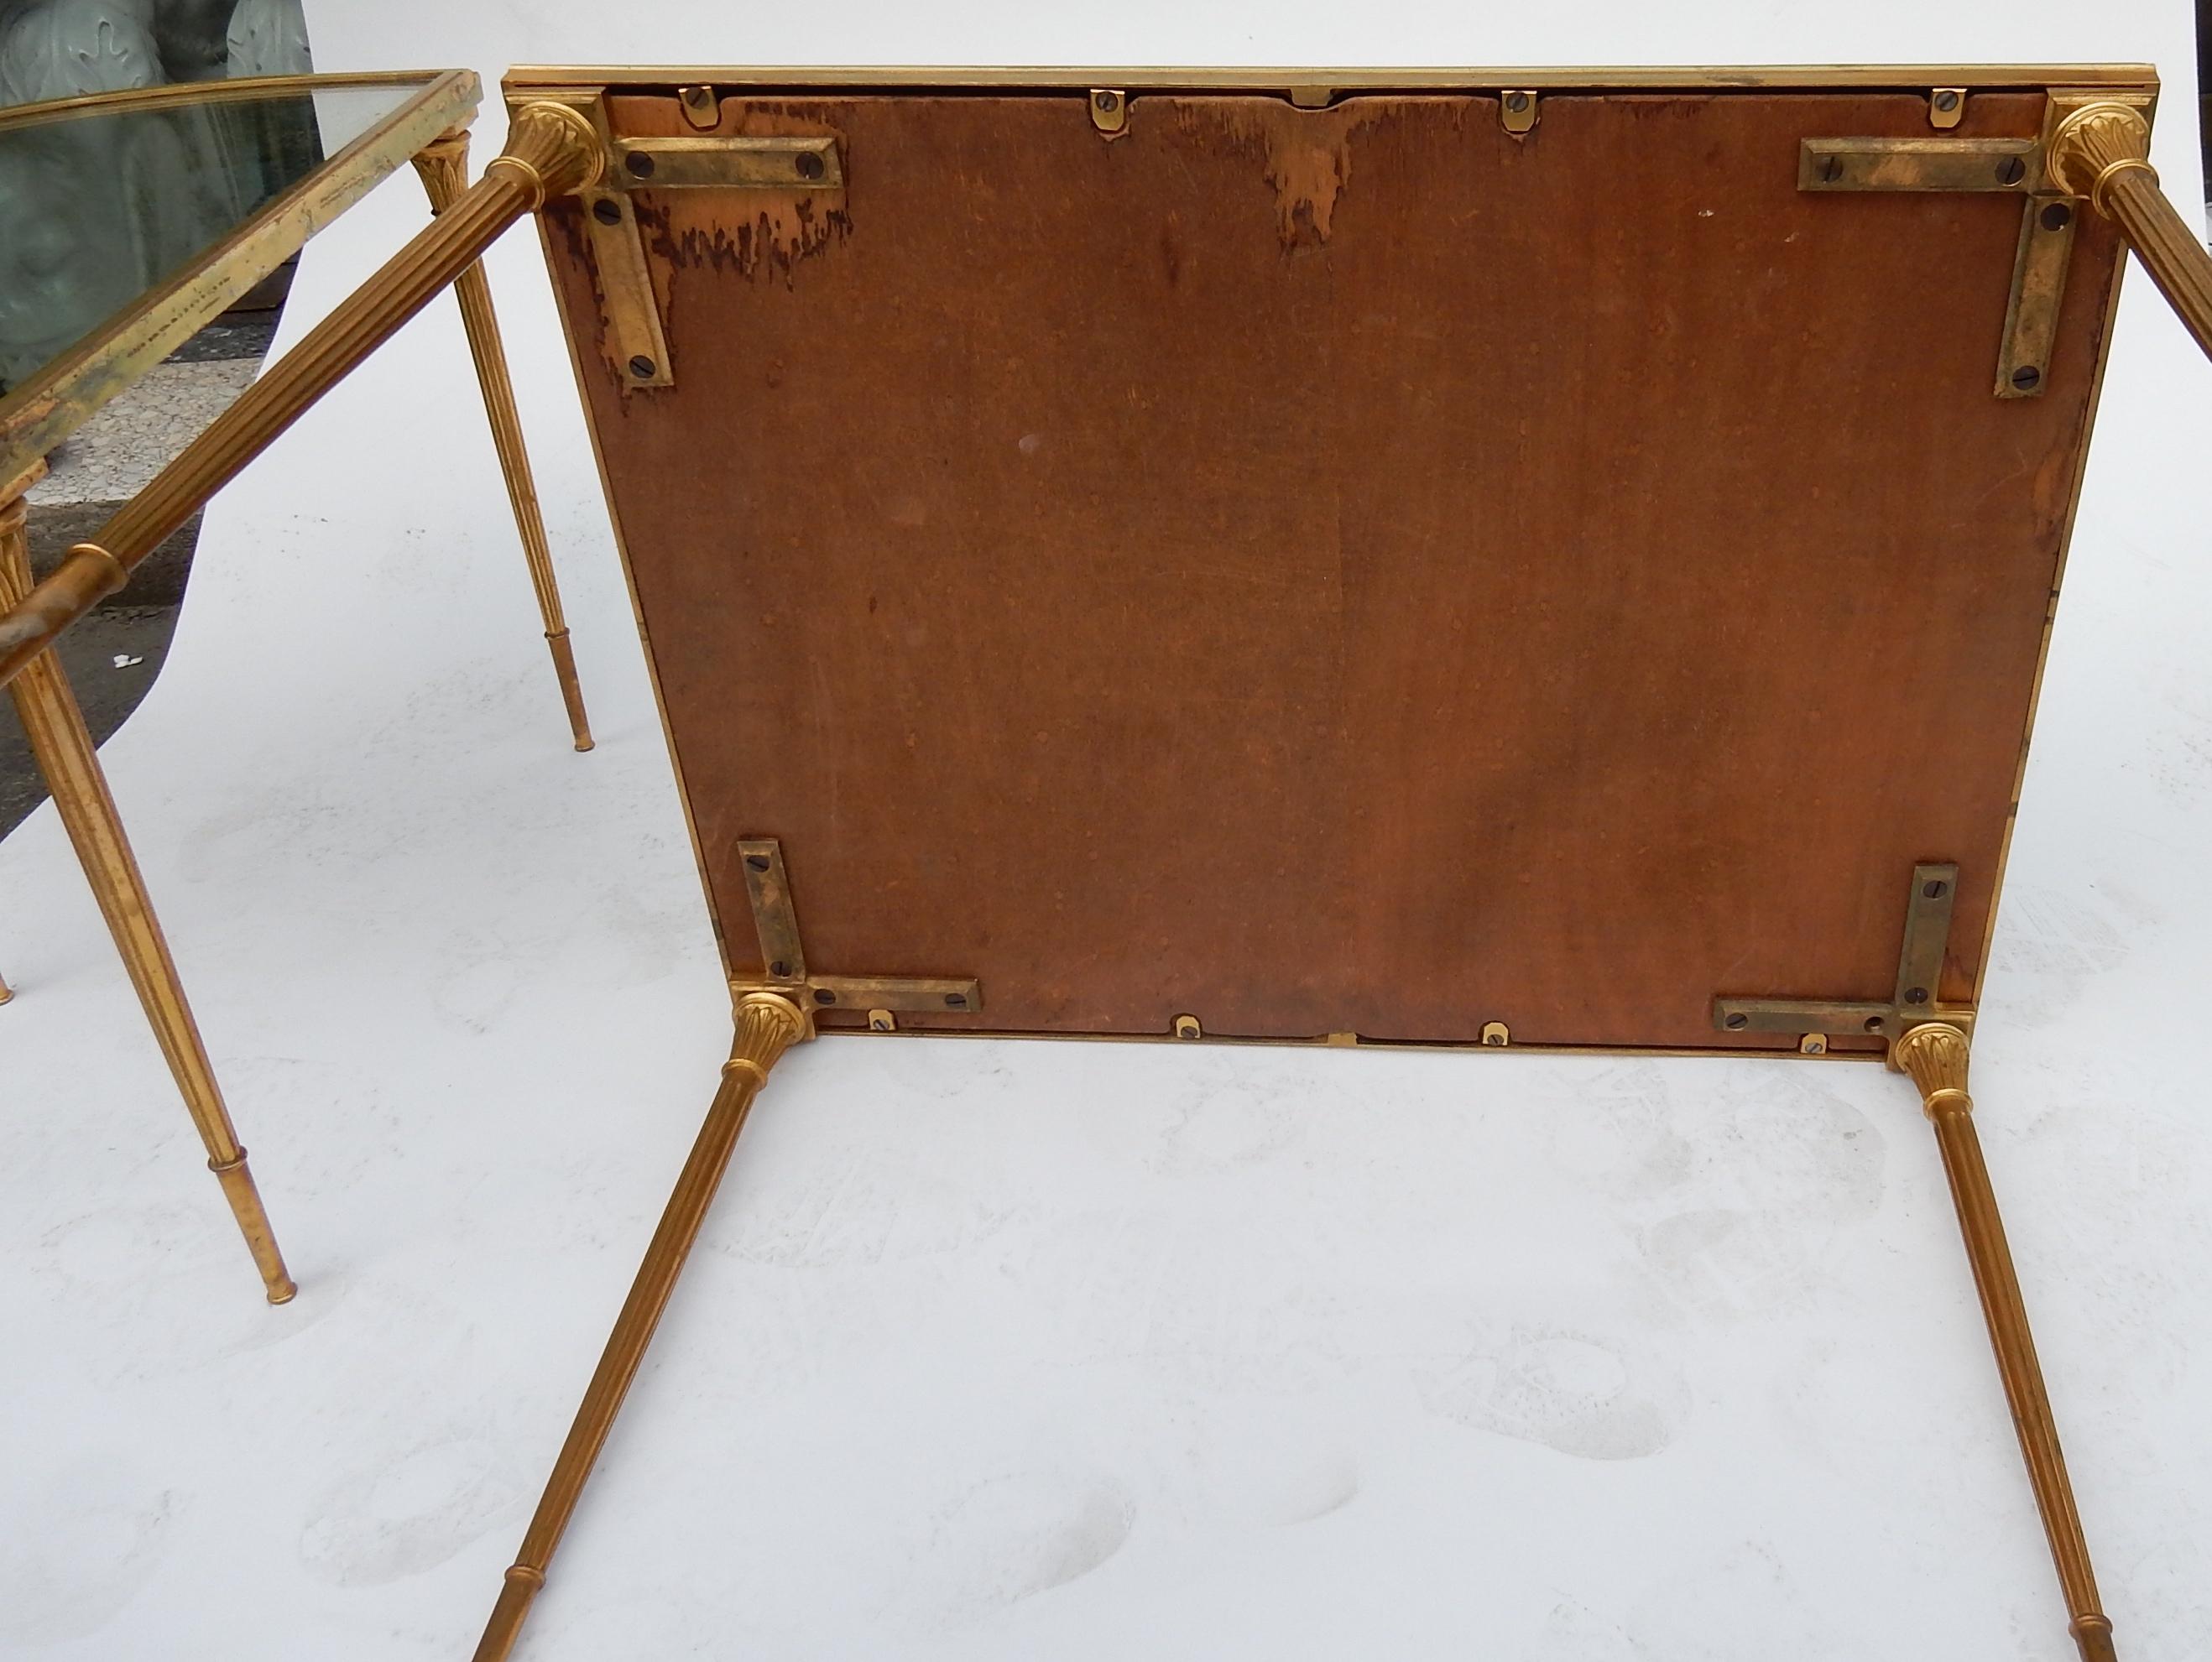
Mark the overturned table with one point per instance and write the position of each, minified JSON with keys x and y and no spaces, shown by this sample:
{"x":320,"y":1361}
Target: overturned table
{"x":1480,"y":559}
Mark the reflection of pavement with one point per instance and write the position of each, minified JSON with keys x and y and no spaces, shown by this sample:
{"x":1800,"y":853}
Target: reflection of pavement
{"x":104,"y":463}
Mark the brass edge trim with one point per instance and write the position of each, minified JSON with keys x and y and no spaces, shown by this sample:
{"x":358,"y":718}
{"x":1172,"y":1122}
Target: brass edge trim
{"x":2081,"y":445}
{"x":1364,"y":1042}
{"x":196,"y":93}
{"x":637,"y":609}
{"x":1902,"y":78}
{"x":41,"y":412}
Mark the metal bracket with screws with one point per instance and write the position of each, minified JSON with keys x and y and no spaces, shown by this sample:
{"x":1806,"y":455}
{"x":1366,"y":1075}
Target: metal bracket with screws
{"x":776,"y":921}
{"x":1918,"y":997}
{"x":2012,"y":166}
{"x":1109,"y":110}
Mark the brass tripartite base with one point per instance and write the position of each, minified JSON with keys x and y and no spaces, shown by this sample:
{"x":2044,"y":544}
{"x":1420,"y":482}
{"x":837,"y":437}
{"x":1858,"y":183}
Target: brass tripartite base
{"x":1935,"y":1055}
{"x":768,"y":1024}
{"x":444,"y":166}
{"x":66,"y":756}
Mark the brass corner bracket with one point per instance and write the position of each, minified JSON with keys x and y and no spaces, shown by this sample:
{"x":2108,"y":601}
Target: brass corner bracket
{"x":1915,"y":1000}
{"x":632,"y":331}
{"x":2094,"y":147}
{"x":776,"y":921}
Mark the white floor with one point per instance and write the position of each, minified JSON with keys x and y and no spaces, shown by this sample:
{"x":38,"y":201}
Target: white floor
{"x":1026,"y":1350}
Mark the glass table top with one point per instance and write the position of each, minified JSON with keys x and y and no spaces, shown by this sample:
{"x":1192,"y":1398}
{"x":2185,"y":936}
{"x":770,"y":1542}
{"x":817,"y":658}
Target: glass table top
{"x":128,"y":220}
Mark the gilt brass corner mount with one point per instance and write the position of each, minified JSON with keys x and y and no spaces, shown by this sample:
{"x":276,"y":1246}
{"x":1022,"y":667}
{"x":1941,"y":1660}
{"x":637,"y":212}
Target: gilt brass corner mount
{"x":775,"y":920}
{"x":1915,"y":1000}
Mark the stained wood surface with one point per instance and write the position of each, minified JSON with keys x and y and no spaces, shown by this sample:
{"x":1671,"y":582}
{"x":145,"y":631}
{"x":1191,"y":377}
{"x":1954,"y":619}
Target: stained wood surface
{"x":1345,"y":570}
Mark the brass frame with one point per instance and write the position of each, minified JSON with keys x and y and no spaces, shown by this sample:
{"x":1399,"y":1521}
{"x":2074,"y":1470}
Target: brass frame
{"x":526,"y":81}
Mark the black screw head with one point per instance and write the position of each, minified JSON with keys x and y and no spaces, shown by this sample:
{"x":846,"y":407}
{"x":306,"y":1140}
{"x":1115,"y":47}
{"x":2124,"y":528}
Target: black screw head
{"x":1874,"y":1024}
{"x":809,"y":164}
{"x":1517,"y":102}
{"x":757,"y":862}
{"x":606,"y":212}
{"x":779,"y":969}
{"x":642,"y":366}
{"x":956,"y":1001}
{"x":1934,"y":889}
{"x":2026,"y":377}
{"x":1105,"y":103}
{"x":1947,"y":100}
{"x":1916,"y":995}
{"x":2056,"y":216}
{"x":1832,"y":169}
{"x":824,"y":995}
{"x":639,"y":163}
{"x":1737,"y":1021}
{"x":2011,"y":170}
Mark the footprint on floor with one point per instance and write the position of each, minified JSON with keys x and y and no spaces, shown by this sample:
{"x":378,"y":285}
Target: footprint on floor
{"x":397,"y":1521}
{"x":1582,"y":1394}
{"x":100,"y":1535}
{"x":1006,"y":1539}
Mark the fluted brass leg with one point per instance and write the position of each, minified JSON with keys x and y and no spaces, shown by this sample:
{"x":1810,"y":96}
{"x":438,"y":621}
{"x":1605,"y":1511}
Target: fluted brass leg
{"x":768,"y":1025}
{"x":1935,"y":1055}
{"x":2102,"y":152}
{"x":67,"y":757}
{"x":444,"y":166}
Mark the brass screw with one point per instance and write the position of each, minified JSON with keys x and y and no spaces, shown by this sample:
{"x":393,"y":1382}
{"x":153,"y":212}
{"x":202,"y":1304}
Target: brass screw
{"x":881,"y":1021}
{"x":1187,"y":1027}
{"x":1813,"y":1044}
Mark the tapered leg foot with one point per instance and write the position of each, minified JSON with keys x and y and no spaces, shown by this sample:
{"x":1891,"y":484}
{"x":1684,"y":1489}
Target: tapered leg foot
{"x":1935,"y":1055}
{"x":571,"y":693}
{"x":237,"y":1181}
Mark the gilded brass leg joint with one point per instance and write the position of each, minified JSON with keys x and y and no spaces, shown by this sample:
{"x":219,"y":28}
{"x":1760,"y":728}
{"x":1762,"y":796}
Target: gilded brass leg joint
{"x":1933,"y":1055}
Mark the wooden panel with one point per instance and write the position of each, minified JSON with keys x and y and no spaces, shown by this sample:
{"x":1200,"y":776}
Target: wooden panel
{"x":1346,"y":569}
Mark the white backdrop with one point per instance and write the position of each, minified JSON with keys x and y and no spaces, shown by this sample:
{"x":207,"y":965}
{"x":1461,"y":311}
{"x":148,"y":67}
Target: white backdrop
{"x":1023,"y":1350}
